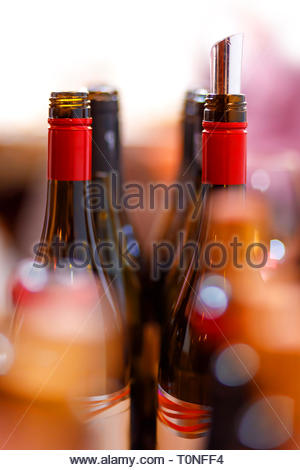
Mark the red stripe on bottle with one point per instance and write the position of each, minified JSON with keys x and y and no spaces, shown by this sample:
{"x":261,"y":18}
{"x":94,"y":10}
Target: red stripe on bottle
{"x":187,"y":419}
{"x":69,"y":149}
{"x":224,"y":150}
{"x":89,"y":408}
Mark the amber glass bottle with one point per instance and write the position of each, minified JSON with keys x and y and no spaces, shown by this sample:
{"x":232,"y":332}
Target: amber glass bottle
{"x":194,"y":329}
{"x":68,"y":244}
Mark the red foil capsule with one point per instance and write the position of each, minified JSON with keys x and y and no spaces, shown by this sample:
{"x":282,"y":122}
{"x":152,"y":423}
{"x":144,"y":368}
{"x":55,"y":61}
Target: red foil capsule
{"x":69,"y":149}
{"x":224,"y":150}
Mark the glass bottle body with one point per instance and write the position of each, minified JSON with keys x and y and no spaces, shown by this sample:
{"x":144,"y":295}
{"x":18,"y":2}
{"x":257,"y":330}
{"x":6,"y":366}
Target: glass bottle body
{"x":194,"y":332}
{"x":68,"y":245}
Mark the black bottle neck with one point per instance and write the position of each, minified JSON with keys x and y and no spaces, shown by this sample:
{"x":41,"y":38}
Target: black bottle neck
{"x":191,"y":167}
{"x":106,"y":138}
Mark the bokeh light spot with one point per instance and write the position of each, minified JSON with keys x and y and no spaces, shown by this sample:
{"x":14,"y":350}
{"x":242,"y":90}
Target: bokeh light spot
{"x":277,"y":249}
{"x":32,"y":278}
{"x":213,"y":296}
{"x":267,"y":423}
{"x":260,"y":180}
{"x":236,"y":365}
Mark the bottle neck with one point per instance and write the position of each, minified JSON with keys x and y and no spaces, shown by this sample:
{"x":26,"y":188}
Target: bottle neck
{"x":224,"y":146}
{"x":69,"y":169}
{"x":192,"y":144}
{"x":192,"y":136}
{"x":106,"y":140}
{"x":69,"y":149}
{"x":65,"y":218}
{"x":224,"y":153}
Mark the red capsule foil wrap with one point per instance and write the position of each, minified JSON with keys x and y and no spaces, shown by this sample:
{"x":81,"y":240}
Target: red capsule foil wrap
{"x":224,"y":150}
{"x":69,"y":149}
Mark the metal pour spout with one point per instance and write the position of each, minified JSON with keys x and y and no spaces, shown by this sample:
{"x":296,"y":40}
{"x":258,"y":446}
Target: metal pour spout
{"x":226,"y":65}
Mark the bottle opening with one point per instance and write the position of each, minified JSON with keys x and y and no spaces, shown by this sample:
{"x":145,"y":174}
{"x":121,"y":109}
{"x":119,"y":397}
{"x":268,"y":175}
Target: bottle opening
{"x":104,"y":99}
{"x":225,"y":108}
{"x":103,"y":93}
{"x":194,"y":101}
{"x":69,"y":104}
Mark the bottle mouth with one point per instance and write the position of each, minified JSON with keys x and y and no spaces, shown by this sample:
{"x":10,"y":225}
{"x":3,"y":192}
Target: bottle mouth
{"x":104,"y":99}
{"x":197,"y":95}
{"x":194,"y":101}
{"x":103,"y":93}
{"x":225,"y":108}
{"x":69,"y":104}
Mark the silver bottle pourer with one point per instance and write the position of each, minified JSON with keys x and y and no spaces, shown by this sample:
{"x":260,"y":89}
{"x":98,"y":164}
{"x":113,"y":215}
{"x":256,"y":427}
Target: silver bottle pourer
{"x":226,"y":65}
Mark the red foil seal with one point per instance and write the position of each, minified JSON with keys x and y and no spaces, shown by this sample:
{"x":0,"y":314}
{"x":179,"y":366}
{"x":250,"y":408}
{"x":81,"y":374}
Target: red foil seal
{"x":224,"y":152}
{"x":69,"y":149}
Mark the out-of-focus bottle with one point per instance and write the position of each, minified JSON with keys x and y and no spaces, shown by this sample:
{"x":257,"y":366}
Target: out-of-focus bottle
{"x":113,"y":227}
{"x":191,"y":166}
{"x":185,"y":226}
{"x":174,"y":217}
{"x":233,"y":363}
{"x":112,"y":233}
{"x":255,"y":372}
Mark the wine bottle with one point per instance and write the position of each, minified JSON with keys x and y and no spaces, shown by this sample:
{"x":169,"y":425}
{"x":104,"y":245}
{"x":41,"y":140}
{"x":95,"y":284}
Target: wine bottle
{"x":187,"y":230}
{"x":255,"y":389}
{"x":268,"y":416}
{"x":190,"y":171}
{"x":107,"y":168}
{"x":192,"y":136}
{"x":112,"y":227}
{"x":107,"y":213}
{"x":68,"y":245}
{"x":174,"y":222}
{"x":193,"y":331}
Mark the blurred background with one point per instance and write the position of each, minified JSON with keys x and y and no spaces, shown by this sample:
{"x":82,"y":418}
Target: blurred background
{"x":152,"y":52}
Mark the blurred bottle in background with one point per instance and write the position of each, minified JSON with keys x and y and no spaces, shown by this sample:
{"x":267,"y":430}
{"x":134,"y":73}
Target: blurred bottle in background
{"x":174,"y":218}
{"x":167,"y":226}
{"x":276,"y":179}
{"x":270,"y":417}
{"x":106,"y":189}
{"x":256,"y":391}
{"x":234,"y":362}
{"x":112,"y":227}
{"x":192,"y":169}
